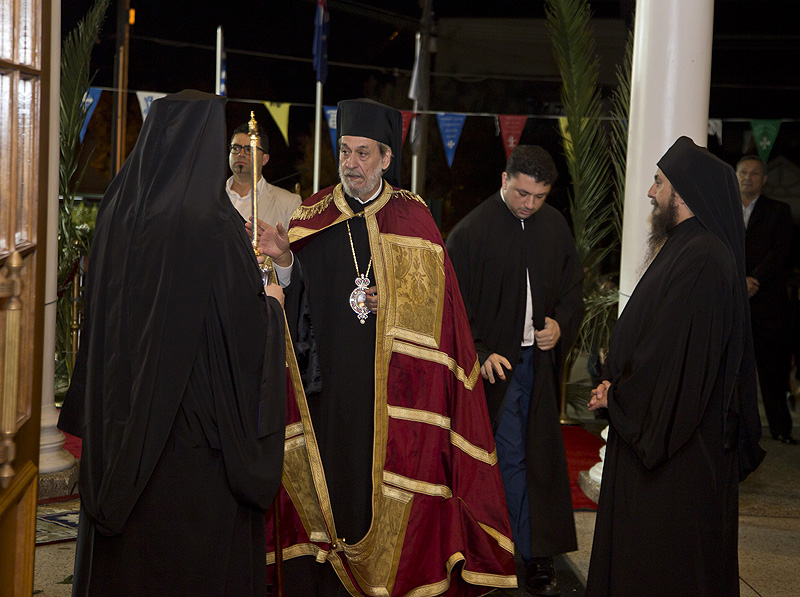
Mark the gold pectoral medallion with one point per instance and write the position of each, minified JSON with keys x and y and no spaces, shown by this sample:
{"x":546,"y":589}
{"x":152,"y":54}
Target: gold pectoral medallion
{"x":358,"y":298}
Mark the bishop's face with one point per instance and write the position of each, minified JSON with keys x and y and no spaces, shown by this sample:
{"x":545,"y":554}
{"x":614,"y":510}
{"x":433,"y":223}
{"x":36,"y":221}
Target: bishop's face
{"x":361,"y":166}
{"x":523,"y":194}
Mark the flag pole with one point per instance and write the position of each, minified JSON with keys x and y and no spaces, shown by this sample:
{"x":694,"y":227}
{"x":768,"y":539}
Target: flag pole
{"x":220,"y":44}
{"x":419,"y":91}
{"x":320,"y":53}
{"x":317,"y":135}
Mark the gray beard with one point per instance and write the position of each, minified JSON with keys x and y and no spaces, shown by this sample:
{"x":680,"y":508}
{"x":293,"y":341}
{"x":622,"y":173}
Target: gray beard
{"x":372,"y":180}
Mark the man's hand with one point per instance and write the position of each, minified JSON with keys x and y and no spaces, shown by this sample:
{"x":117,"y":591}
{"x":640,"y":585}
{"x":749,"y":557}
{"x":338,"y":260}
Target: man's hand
{"x":547,"y":337}
{"x":599,"y":396}
{"x":752,"y":286}
{"x":372,"y":298}
{"x":275,"y":291}
{"x":272,"y":241}
{"x":494,"y":365}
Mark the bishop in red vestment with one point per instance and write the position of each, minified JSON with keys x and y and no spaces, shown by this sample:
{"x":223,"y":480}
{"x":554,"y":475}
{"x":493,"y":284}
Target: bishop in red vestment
{"x":390,"y":484}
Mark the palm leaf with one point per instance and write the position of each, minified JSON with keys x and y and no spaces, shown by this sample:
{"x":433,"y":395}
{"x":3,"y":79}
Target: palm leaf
{"x":74,"y":236}
{"x":592,"y":157}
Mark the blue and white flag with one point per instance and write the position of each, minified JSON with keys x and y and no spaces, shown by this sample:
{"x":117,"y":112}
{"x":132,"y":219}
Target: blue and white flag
{"x":330,"y":118}
{"x":320,"y":49}
{"x":90,"y":99}
{"x":450,"y":126}
{"x":146,"y":98}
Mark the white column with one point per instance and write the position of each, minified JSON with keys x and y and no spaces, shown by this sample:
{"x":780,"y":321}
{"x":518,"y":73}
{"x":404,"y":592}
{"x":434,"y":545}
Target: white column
{"x":52,"y":457}
{"x":670,"y":87}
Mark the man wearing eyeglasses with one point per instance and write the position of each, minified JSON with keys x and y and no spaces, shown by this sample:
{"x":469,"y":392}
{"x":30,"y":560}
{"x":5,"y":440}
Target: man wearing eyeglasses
{"x":274,"y":203}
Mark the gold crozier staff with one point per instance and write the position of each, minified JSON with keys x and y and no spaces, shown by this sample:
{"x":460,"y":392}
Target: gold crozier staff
{"x":267,"y":275}
{"x":267,"y":271}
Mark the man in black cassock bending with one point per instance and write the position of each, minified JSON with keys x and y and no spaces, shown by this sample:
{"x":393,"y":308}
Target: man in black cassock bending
{"x":520,"y":277}
{"x":681,"y":396}
{"x":179,"y":389}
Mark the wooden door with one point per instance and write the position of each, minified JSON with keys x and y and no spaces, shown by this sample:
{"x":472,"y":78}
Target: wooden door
{"x":26,"y":138}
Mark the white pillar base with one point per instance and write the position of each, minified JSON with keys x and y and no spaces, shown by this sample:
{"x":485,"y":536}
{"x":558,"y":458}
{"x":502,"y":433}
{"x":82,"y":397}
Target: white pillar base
{"x":52,"y":457}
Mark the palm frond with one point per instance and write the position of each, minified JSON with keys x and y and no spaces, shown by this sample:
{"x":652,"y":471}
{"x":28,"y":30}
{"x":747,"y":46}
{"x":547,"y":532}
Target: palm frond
{"x":592,"y":156}
{"x":74,"y":235}
{"x":620,"y":113}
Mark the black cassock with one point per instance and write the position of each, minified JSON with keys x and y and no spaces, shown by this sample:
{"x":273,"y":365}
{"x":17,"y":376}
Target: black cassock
{"x":490,"y":252}
{"x":668,"y":512}
{"x":179,"y":390}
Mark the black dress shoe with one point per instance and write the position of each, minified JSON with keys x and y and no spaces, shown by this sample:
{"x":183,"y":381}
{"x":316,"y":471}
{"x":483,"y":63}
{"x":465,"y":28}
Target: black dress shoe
{"x":540,"y":577}
{"x":785,"y":439}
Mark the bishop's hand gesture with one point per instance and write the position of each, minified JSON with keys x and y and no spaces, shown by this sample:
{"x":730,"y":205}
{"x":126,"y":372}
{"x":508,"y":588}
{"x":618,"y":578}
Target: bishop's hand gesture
{"x":273,"y":241}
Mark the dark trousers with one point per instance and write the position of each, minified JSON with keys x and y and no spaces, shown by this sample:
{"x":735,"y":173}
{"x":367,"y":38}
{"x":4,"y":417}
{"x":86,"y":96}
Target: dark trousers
{"x":510,"y":440}
{"x":773,"y":361}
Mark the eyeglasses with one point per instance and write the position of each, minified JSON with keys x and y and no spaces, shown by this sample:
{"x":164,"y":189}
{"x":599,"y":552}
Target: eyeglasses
{"x":236,"y":149}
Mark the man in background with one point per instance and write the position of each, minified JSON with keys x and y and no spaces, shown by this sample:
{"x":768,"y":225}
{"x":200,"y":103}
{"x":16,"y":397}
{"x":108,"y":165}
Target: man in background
{"x":768,"y":240}
{"x":274,"y":203}
{"x":520,"y":278}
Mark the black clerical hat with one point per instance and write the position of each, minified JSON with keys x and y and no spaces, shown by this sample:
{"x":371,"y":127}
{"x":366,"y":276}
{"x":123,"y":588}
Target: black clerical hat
{"x":709,"y":188}
{"x":373,"y":120}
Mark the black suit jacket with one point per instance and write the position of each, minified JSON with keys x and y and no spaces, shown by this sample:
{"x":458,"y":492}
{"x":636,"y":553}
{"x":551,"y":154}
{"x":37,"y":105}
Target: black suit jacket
{"x":768,"y":240}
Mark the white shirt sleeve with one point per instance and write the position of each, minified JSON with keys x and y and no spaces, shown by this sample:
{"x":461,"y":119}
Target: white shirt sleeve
{"x":284,"y":274}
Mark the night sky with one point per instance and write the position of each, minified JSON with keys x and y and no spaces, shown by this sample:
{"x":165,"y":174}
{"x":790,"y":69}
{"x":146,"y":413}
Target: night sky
{"x":371,"y":52}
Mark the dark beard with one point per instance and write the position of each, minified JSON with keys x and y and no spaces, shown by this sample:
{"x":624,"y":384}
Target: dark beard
{"x":661,"y":222}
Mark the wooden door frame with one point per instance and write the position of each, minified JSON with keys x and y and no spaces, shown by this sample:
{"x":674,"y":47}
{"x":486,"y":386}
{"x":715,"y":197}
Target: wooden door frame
{"x":18,"y":500}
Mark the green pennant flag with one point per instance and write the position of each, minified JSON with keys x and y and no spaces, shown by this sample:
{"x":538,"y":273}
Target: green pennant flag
{"x":764,"y":134}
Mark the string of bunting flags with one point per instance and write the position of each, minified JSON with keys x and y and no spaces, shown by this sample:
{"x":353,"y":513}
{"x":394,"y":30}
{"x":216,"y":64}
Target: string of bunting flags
{"x":509,"y":126}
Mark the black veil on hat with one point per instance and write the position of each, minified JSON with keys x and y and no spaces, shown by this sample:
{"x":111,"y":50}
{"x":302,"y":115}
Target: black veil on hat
{"x":164,"y":220}
{"x":373,"y":120}
{"x":710,"y":189}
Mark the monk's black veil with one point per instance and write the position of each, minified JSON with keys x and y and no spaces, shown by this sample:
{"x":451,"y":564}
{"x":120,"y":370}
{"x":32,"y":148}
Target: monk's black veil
{"x":709,"y":188}
{"x":166,"y":233}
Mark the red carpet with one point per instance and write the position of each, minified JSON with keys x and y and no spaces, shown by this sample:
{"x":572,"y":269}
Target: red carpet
{"x":581,"y":446}
{"x":73,"y":445}
{"x":583,"y":452}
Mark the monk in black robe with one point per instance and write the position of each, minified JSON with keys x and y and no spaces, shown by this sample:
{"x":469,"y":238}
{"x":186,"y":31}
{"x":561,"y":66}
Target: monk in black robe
{"x":681,"y":396}
{"x":520,"y":277}
{"x":179,"y":390}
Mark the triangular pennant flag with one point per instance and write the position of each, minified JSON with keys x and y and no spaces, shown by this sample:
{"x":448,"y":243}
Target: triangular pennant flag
{"x":145,"y":99}
{"x":511,"y":127}
{"x":764,"y":133}
{"x":450,"y":126}
{"x":280,"y":114}
{"x":90,"y":99}
{"x":407,"y":116}
{"x":715,"y":129}
{"x":330,"y":117}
